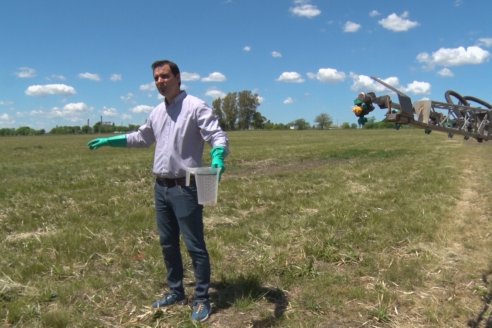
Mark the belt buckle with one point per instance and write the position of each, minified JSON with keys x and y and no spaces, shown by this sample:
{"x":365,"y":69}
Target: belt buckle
{"x":175,"y":182}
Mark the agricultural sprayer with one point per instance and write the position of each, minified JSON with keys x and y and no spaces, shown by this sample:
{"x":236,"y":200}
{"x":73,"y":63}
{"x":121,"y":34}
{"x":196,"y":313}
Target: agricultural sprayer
{"x":459,"y":115}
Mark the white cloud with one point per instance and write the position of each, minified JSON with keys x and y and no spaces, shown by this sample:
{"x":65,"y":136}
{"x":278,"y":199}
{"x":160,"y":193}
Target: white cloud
{"x":351,"y":27}
{"x":446,"y":72}
{"x":327,"y":75}
{"x":25,"y":72}
{"x":116,"y":77}
{"x":6,"y":119}
{"x":393,"y":81}
{"x":276,"y":54}
{"x":50,"y":89}
{"x":75,"y":107}
{"x":305,"y":10}
{"x":89,"y":76}
{"x":71,"y":111}
{"x":147,"y":87}
{"x":485,"y":42}
{"x":374,"y":13}
{"x":35,"y":112}
{"x":418,"y":88}
{"x":365,"y":83}
{"x":455,"y":56}
{"x":215,"y":93}
{"x":290,"y":77}
{"x":140,"y":109}
{"x":247,"y":49}
{"x":214,"y":77}
{"x":109,"y":111}
{"x":397,"y":23}
{"x":288,"y":101}
{"x":186,"y":76}
{"x":128,"y":98}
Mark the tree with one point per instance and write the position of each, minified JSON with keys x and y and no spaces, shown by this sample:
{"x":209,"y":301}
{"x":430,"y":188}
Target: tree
{"x":247,"y":104}
{"x":86,"y":129}
{"x":7,"y":132}
{"x":24,"y":131}
{"x":217,"y":108}
{"x":66,"y":130}
{"x":238,"y":110}
{"x":323,"y":121}
{"x":103,"y":128}
{"x":347,"y":125}
{"x":258,"y":120}
{"x":371,"y":123}
{"x":275,"y":126}
{"x":300,"y":124}
{"x":133,"y":127}
{"x":230,"y":111}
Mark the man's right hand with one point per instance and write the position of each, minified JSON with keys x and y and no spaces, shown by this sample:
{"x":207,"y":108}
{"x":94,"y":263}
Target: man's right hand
{"x":116,"y":141}
{"x":96,"y":143}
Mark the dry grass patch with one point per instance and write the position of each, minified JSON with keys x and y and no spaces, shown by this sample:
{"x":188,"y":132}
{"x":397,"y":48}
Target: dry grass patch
{"x":454,"y":284}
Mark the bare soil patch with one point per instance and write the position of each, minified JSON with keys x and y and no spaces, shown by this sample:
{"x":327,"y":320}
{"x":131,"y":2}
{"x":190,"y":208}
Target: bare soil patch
{"x":458,"y":279}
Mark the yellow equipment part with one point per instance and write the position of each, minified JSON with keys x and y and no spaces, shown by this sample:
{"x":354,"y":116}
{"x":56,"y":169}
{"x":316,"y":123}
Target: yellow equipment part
{"x":357,"y":110}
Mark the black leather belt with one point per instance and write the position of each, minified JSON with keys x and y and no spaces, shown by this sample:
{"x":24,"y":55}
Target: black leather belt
{"x":174,"y":182}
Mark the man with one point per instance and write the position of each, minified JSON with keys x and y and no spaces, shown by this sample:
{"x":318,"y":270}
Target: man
{"x":179,"y":127}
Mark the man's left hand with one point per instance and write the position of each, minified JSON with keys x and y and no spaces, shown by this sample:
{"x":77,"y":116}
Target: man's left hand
{"x":218,"y":154}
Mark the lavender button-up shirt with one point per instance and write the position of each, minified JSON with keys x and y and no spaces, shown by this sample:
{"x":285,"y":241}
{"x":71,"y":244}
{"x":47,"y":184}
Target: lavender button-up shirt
{"x":179,"y":130}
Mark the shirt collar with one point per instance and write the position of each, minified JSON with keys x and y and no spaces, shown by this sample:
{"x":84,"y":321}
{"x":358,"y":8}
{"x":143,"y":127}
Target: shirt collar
{"x":176,"y":99}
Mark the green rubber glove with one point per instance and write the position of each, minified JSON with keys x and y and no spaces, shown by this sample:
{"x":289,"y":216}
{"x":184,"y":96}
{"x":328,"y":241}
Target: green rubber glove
{"x":218,"y":154}
{"x":116,"y":141}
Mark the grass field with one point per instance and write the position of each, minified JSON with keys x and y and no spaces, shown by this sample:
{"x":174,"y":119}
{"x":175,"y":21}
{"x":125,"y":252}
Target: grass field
{"x":339,"y":228}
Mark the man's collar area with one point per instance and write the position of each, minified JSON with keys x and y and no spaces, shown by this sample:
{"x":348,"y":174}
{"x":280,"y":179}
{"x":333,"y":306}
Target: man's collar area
{"x":179,"y":97}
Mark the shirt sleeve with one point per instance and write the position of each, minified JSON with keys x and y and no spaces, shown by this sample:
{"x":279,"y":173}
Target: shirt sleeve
{"x":143,"y":137}
{"x":210,"y":128}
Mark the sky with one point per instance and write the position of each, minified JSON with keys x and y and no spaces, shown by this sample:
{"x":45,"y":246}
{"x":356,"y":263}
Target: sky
{"x":73,"y":62}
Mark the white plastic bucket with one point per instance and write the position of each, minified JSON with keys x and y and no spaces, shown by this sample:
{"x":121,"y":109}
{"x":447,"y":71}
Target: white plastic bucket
{"x":207,"y":183}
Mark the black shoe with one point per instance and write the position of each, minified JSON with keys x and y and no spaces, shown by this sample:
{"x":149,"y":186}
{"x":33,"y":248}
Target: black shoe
{"x":169,"y":299}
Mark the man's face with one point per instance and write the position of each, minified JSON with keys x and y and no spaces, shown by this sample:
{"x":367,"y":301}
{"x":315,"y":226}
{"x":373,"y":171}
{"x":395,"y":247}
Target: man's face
{"x":166,"y":82}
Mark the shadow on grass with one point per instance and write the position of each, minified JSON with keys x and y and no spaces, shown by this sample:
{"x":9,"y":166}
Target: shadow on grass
{"x":228,"y":292}
{"x":476,"y":323}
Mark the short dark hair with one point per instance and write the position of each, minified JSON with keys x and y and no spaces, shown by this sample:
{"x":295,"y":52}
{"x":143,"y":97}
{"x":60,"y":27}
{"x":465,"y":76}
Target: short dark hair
{"x":172,"y":65}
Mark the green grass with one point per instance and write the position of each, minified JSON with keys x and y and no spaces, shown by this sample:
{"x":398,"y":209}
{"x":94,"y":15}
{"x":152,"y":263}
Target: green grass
{"x":313,"y":228}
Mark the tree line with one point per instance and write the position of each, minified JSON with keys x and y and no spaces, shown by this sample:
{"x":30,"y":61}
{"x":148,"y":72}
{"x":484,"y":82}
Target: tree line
{"x":99,"y":127}
{"x":235,"y":111}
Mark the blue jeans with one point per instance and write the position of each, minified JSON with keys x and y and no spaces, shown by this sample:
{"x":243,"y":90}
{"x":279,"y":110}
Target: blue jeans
{"x":178,"y":212}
